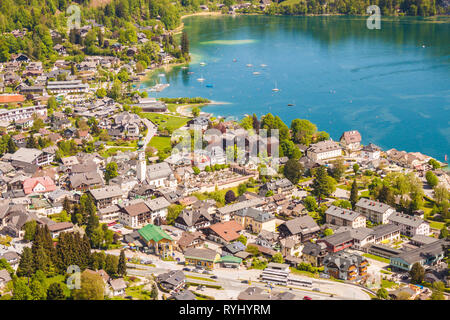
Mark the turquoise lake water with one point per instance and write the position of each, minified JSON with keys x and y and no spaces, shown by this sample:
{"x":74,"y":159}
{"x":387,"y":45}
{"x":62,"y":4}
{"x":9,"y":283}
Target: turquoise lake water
{"x":393,"y":84}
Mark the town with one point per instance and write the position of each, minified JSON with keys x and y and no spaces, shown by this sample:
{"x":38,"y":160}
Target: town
{"x":92,"y":175}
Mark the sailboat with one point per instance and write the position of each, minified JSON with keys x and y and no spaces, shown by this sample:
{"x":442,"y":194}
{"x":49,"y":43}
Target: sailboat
{"x":291,"y":104}
{"x":202,"y":63}
{"x":264,"y":65}
{"x":256,"y":73}
{"x":249,"y":65}
{"x":201,"y":79}
{"x":275,"y":89}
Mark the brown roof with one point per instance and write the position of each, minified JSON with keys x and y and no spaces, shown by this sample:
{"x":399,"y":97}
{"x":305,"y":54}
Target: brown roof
{"x":60,"y":226}
{"x":227,"y":230}
{"x":136,"y":209}
{"x":187,"y":238}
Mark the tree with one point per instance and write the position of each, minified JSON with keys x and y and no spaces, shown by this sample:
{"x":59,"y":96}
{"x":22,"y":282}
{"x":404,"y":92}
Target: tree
{"x":21,"y":291}
{"x":242,"y":239}
{"x":92,"y":287}
{"x":293,"y":170}
{"x":441,"y":194}
{"x":434,"y":164}
{"x":382,"y":294}
{"x":111,"y":265}
{"x":417,"y":273}
{"x":154,"y":292}
{"x":230,"y":196}
{"x":12,"y":147}
{"x":327,"y":232}
{"x":242,"y":188}
{"x":438,"y":291}
{"x":55,"y":292}
{"x":196,"y":170}
{"x":278,"y":258}
{"x":173,"y":212}
{"x":303,"y":131}
{"x":323,"y":185}
{"x":338,"y":169}
{"x":111,"y":171}
{"x":195,"y":111}
{"x":30,"y":230}
{"x":310,"y":203}
{"x":354,"y":194}
{"x":355,"y":168}
{"x":443,"y":234}
{"x":122,"y":266}
{"x":31,"y":143}
{"x":37,"y":290}
{"x":431,"y":179}
{"x":184,"y":44}
{"x":26,"y":264}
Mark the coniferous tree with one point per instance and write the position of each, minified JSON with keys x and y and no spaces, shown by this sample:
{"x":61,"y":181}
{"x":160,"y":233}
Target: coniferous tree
{"x":26,"y":264}
{"x":184,"y":44}
{"x":66,"y":205}
{"x":354,"y":194}
{"x":122,"y":266}
{"x":12,"y":147}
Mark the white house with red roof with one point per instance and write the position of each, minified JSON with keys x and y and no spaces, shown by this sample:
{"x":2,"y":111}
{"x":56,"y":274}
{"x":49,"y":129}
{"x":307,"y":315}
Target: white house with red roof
{"x":38,"y":185}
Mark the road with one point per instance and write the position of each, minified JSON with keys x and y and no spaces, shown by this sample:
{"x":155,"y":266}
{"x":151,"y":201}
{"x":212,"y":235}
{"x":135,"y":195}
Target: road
{"x":231,"y":281}
{"x":151,"y":131}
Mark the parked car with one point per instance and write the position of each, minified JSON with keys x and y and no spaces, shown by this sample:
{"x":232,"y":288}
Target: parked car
{"x":213,"y":277}
{"x":244,"y":281}
{"x":405,"y":278}
{"x":186,"y":269}
{"x":307,"y":298}
{"x":315,"y":289}
{"x":206,"y":272}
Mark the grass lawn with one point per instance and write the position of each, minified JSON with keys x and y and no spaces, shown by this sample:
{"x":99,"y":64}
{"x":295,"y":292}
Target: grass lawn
{"x":387,"y":284}
{"x":200,"y":278}
{"x":172,"y":107}
{"x":304,"y":273}
{"x":436,"y":224}
{"x":137,"y":293}
{"x":112,"y":151}
{"x":58,"y":279}
{"x":160,"y":143}
{"x":165,"y":121}
{"x":371,"y":256}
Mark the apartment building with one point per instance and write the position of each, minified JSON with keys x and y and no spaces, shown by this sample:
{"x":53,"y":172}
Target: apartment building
{"x":345,"y":217}
{"x":374,"y":211}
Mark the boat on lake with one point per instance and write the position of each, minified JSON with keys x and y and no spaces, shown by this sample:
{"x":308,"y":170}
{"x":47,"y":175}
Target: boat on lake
{"x":276,"y":88}
{"x":264,"y":65}
{"x":209,"y":85}
{"x":256,"y":72}
{"x":249,"y":65}
{"x":202,"y":63}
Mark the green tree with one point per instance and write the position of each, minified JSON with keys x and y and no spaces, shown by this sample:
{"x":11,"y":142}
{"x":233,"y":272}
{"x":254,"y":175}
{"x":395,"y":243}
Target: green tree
{"x":21,"y":291}
{"x":184,"y":44}
{"x":434,"y":164}
{"x":417,"y":273}
{"x":122,"y":266}
{"x":354,"y":194}
{"x":37,"y":290}
{"x":355,"y":168}
{"x":195,"y":111}
{"x":338,"y":169}
{"x":278,"y":258}
{"x":196,"y":170}
{"x":382,"y":294}
{"x":173,"y":212}
{"x":92,"y":287}
{"x":242,"y":239}
{"x":55,"y":292}
{"x":327,"y":232}
{"x":438,"y":291}
{"x":242,"y":188}
{"x":293,"y":170}
{"x":431,"y":179}
{"x":230,"y":196}
{"x":26,"y":264}
{"x":310,"y":203}
{"x":30,"y":230}
{"x":111,"y":171}
{"x":323,"y":185}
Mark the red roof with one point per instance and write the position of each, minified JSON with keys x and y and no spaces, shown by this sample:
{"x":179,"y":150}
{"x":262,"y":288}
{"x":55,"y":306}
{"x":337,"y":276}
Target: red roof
{"x":46,"y":182}
{"x":227,"y":230}
{"x":11,"y":98}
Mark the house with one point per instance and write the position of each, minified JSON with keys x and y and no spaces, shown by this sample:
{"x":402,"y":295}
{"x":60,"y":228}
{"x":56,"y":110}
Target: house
{"x":172,"y":281}
{"x":257,"y":293}
{"x":184,"y":295}
{"x":345,"y":266}
{"x":5,"y":278}
{"x":38,"y":185}
{"x":255,"y":220}
{"x":86,"y":181}
{"x":371,"y":152}
{"x":160,"y":175}
{"x":233,"y":248}
{"x":203,"y":258}
{"x":227,"y":212}
{"x":267,"y":239}
{"x":338,"y":241}
{"x":290,"y":248}
{"x":230,"y":261}
{"x":314,"y":253}
{"x":224,"y":232}
{"x":190,"y":240}
{"x":11,"y":257}
{"x":139,"y":212}
{"x":410,"y":225}
{"x":157,"y":240}
{"x":70,"y":86}
{"x":427,"y":255}
{"x":198,"y":123}
{"x":324,"y":150}
{"x":374,"y":211}
{"x":56,"y":228}
{"x":351,"y":140}
{"x":30,"y":156}
{"x":193,"y":220}
{"x":300,"y":229}
{"x":344,"y":217}
{"x":106,"y":196}
{"x":281,"y":186}
{"x":118,"y":286}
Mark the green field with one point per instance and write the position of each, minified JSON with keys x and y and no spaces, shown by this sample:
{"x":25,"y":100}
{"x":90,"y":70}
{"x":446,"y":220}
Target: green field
{"x":371,"y":256}
{"x":160,"y":143}
{"x":165,"y":121}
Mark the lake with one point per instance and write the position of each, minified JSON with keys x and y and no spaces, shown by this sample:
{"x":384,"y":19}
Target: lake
{"x":392,"y":84}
